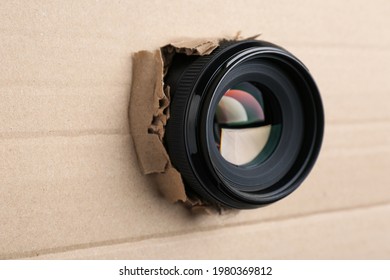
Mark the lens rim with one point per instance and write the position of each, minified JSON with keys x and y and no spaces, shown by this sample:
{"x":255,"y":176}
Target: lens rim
{"x":189,"y":151}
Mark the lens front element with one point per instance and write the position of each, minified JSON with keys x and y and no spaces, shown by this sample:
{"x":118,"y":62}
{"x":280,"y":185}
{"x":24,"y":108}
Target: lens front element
{"x":244,"y":129}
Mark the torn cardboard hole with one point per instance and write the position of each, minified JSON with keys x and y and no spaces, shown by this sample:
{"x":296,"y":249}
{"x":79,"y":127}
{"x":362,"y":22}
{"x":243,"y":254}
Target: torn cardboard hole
{"x":149,"y":112}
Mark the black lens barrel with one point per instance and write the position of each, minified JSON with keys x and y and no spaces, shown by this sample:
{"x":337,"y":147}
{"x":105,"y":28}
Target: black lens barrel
{"x":197,"y":85}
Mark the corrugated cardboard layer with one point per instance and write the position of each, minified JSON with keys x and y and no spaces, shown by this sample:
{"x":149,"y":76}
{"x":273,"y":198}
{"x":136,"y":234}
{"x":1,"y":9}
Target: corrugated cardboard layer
{"x":310,"y":237}
{"x":147,"y":89}
{"x":68,"y":173}
{"x":68,"y":105}
{"x":140,"y":25}
{"x":83,"y":186}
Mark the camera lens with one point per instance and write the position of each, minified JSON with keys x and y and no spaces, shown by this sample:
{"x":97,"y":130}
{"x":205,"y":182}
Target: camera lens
{"x":246,"y":123}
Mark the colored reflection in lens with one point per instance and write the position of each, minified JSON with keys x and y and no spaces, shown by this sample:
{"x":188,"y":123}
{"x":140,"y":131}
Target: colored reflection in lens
{"x":242,"y":130}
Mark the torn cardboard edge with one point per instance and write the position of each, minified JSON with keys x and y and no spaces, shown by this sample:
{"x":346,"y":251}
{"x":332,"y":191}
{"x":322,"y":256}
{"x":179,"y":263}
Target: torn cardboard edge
{"x":149,"y":112}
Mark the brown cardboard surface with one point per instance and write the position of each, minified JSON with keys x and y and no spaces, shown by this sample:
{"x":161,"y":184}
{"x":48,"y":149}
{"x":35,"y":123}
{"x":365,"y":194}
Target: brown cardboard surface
{"x":99,"y":174}
{"x":338,"y":231}
{"x":147,"y":91}
{"x":69,"y":176}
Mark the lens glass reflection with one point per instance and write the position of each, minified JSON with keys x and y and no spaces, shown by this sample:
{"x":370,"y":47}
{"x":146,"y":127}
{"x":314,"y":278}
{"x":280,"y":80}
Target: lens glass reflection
{"x":245,"y":127}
